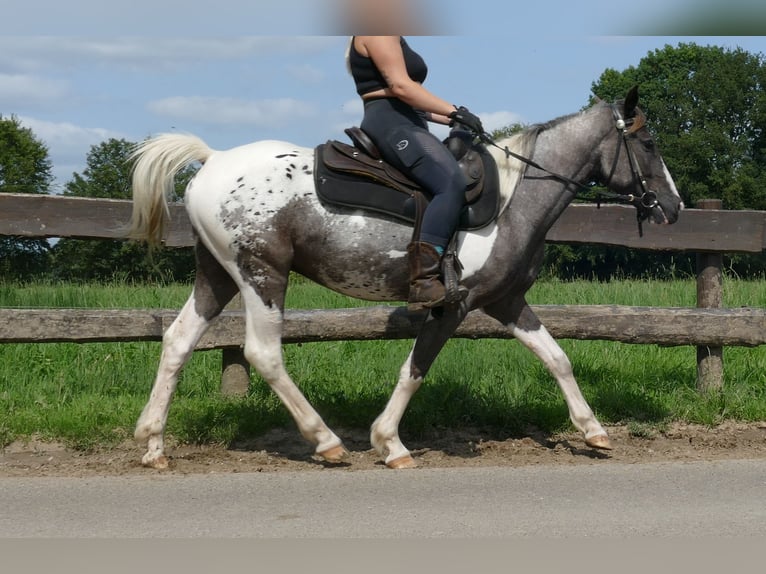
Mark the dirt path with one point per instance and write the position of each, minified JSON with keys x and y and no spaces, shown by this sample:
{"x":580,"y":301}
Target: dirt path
{"x":285,"y":450}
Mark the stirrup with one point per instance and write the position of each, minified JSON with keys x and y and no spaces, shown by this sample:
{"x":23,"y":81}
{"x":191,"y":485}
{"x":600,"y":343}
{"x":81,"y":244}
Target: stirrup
{"x":451,"y":271}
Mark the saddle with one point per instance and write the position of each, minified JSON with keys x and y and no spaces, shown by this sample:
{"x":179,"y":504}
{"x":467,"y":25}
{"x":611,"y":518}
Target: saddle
{"x":356,"y":176}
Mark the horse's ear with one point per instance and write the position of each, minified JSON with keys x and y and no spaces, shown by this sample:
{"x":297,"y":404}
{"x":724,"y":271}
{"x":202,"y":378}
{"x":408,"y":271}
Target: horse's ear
{"x":631,"y":101}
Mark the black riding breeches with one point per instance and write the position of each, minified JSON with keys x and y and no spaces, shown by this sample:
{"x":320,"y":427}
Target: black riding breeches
{"x":401,"y":134}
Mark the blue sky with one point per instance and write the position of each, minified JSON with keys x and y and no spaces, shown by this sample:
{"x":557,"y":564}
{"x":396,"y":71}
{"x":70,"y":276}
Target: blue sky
{"x":79,"y":72}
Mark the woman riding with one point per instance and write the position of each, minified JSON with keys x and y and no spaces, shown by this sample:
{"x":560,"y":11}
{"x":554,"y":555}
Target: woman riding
{"x":389,"y":77}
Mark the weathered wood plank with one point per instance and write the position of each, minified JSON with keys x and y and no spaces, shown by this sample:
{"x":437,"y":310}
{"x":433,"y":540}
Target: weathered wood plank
{"x":27,"y":215}
{"x":638,"y":325}
{"x":79,"y":325}
{"x":60,"y":216}
{"x":696,"y":230}
{"x":178,"y":232}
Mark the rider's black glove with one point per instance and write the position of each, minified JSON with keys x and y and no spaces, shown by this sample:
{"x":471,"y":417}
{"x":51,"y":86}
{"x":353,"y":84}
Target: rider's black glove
{"x":469,"y":120}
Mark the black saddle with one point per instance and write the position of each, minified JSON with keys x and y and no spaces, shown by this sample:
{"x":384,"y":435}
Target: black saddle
{"x":357,"y":177}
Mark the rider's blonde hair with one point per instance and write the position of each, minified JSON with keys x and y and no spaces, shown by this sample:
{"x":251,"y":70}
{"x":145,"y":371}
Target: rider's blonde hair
{"x":348,"y":54}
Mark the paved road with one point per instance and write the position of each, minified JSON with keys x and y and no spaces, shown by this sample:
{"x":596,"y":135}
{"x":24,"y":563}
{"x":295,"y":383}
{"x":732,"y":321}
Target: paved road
{"x":721,"y":499}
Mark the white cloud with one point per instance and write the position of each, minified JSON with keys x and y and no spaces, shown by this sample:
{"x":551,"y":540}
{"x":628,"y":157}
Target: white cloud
{"x":353,"y":107}
{"x":68,"y":144}
{"x":496,"y":120}
{"x":23,"y":89}
{"x":67,"y":135}
{"x":490,"y":120}
{"x":33,"y":53}
{"x":233,"y":111}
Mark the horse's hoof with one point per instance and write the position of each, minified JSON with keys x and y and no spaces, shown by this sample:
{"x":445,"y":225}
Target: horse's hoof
{"x":600,"y":441}
{"x":159,"y":463}
{"x":405,"y":461}
{"x":334,"y":454}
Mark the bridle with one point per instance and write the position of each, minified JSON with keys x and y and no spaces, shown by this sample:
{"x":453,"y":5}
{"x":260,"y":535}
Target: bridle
{"x":644,"y":203}
{"x":647,"y":201}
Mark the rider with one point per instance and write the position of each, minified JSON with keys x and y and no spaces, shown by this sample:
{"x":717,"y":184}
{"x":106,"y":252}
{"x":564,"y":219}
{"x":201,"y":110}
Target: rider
{"x":389,"y":76}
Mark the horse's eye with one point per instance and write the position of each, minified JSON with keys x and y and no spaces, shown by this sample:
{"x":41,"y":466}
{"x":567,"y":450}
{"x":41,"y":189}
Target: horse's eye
{"x":648,"y":144}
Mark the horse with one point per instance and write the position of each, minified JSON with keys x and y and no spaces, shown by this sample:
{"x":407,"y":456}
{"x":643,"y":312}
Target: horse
{"x":256,"y":217}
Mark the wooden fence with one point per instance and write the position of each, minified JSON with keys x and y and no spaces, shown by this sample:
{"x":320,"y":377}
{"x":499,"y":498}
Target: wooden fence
{"x":708,"y":231}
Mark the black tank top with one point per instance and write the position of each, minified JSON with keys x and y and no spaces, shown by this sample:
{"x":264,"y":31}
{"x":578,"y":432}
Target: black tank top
{"x":369,"y":79}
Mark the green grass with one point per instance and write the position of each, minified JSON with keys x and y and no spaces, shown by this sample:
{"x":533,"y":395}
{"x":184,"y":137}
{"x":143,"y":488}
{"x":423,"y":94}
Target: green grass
{"x":89,"y":395}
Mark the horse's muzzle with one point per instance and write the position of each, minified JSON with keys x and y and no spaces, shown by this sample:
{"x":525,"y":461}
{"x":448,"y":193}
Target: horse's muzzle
{"x":666,"y":209}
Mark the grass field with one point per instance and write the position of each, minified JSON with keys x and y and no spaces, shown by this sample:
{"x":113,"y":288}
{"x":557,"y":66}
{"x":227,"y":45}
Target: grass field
{"x":88,"y":395}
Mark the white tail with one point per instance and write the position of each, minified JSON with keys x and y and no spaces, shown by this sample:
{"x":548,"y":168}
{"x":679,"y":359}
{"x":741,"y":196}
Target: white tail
{"x":158,"y":160}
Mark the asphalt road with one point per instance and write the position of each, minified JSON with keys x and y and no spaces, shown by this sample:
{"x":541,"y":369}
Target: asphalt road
{"x":688,"y":500}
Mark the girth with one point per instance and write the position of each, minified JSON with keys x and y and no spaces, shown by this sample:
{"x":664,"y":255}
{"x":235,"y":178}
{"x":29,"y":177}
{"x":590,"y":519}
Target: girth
{"x":356,"y":177}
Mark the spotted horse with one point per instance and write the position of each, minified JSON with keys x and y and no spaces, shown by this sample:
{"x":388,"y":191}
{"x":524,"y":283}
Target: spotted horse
{"x":257,"y":216}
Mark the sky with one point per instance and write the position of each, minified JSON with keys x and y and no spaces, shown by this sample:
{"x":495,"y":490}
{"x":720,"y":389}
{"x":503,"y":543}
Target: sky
{"x":82,"y":71}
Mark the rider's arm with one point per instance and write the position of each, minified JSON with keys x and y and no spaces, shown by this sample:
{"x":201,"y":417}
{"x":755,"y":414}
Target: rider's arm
{"x":386,"y":53}
{"x":438,"y":118}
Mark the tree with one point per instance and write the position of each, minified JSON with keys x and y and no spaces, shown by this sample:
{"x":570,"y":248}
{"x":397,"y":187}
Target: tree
{"x":707,"y":108}
{"x":107,"y":172}
{"x":507,"y":131}
{"x":24,"y":168}
{"x":107,"y":175}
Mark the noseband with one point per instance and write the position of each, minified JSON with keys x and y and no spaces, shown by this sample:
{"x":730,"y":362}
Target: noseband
{"x":643,"y":203}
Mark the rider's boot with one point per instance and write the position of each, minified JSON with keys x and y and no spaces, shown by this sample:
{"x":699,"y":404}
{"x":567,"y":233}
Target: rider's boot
{"x":426,"y":288}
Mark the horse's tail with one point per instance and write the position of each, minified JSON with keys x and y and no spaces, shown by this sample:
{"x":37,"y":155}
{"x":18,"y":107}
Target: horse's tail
{"x":158,"y":160}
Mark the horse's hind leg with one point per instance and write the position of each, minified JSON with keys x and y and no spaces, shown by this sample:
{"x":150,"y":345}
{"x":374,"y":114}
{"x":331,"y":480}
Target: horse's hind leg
{"x":263,"y":350}
{"x":384,"y":433}
{"x":213,"y":289}
{"x":535,"y":337}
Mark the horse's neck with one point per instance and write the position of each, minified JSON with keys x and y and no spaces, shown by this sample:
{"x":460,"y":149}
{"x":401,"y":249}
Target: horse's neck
{"x":565,"y":148}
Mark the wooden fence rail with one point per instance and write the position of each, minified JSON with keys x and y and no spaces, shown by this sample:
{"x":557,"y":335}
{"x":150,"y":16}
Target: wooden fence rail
{"x":696,"y":230}
{"x":639,"y":325}
{"x":709,"y":232}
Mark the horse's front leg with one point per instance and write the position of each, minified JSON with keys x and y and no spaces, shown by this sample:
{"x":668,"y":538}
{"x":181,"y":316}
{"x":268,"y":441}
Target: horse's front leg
{"x":528,"y":329}
{"x":384,"y":433}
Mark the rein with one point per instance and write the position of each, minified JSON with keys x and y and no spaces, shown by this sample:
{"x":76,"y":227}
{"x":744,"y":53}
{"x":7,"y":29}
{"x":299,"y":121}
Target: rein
{"x":643,"y":203}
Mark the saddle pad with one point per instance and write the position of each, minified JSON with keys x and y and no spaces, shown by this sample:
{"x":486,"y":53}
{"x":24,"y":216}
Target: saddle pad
{"x":360,"y":192}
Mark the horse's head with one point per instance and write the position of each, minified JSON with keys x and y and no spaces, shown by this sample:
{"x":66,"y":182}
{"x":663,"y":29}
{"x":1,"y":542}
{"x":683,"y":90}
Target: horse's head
{"x":631,"y":164}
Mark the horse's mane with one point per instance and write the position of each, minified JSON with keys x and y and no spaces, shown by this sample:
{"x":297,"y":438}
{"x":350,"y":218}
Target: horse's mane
{"x":523,"y":143}
{"x":639,"y":120}
{"x":537,"y":128}
{"x":510,"y":170}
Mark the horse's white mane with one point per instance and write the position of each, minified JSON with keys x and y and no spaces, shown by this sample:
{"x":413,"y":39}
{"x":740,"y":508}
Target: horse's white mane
{"x":511,"y":170}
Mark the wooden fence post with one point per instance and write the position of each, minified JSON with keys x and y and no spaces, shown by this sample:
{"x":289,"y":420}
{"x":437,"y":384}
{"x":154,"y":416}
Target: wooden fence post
{"x":709,"y":295}
{"x":235,"y":370}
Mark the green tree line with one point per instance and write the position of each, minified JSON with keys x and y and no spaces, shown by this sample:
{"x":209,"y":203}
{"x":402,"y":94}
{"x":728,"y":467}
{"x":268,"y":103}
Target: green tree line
{"x":25,"y":168}
{"x":706,"y":106}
